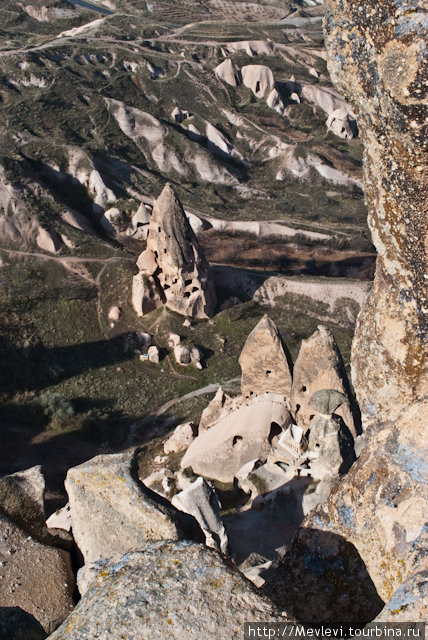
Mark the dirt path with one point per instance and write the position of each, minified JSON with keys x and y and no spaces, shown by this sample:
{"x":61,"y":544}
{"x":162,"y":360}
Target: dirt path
{"x":209,"y":388}
{"x":76,"y":265}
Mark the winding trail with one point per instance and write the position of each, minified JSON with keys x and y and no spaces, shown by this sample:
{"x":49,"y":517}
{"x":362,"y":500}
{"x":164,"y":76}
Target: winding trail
{"x":209,"y":388}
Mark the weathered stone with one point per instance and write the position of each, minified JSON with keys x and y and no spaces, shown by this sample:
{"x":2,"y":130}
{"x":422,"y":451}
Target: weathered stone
{"x":200,"y":500}
{"x":258,"y":78}
{"x":182,"y":354}
{"x":378,"y":59}
{"x":263,"y":361}
{"x":22,"y":499}
{"x":153,"y":353}
{"x":181,"y":438}
{"x":229,"y":72}
{"x":211,"y":414}
{"x":339,"y":123}
{"x":114,"y":314}
{"x":147,"y":262}
{"x":182,"y":277}
{"x":146,"y":295}
{"x":409,"y":602}
{"x":379,"y":508}
{"x":322,"y":578}
{"x":173,"y":340}
{"x":34,"y":578}
{"x":327,"y":401}
{"x":60,"y":519}
{"x":113,"y":512}
{"x":169,"y":590}
{"x":139,"y":226}
{"x":331,"y":442}
{"x":243,"y":435}
{"x":319,"y":366}
{"x":49,"y":240}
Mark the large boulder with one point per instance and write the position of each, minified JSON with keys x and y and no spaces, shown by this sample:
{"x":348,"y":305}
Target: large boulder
{"x":35,"y":579}
{"x":113,"y":512}
{"x":22,"y":501}
{"x":264,"y":363}
{"x":22,"y":498}
{"x":319,"y":366}
{"x":243,"y":435}
{"x":177,"y":272}
{"x":168,"y":590}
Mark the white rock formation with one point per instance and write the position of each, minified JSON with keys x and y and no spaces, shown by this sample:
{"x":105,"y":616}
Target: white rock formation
{"x":319,"y":366}
{"x":241,"y":436}
{"x":180,"y":439}
{"x":49,"y":240}
{"x":182,"y":278}
{"x":258,"y":78}
{"x":200,"y":500}
{"x":264,"y":362}
{"x":274,"y":101}
{"x":114,"y":314}
{"x":229,"y":73}
{"x":111,"y":510}
{"x":339,"y":123}
{"x":153,"y":353}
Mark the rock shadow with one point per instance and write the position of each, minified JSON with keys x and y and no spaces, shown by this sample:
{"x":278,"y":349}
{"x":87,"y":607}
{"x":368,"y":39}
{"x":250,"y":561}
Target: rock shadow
{"x":17,"y":624}
{"x":323,"y":580}
{"x":267,"y":528}
{"x":36,"y":367}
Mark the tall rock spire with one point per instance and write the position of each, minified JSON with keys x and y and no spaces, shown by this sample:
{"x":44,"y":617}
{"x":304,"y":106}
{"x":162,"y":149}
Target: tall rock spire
{"x":173,"y":268}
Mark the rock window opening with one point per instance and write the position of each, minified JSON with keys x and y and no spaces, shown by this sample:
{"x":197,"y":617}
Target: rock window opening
{"x":236,"y":440}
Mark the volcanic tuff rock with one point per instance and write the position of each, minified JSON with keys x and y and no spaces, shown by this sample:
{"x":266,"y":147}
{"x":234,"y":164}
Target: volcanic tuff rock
{"x":113,"y":512}
{"x":258,"y":78}
{"x":263,"y":361}
{"x":229,"y":72}
{"x":318,"y":366}
{"x":173,"y":267}
{"x":22,"y":500}
{"x":34,"y":578}
{"x":380,"y":507}
{"x":211,"y":414}
{"x":169,"y":590}
{"x":390,"y":350}
{"x":243,"y":435}
{"x":200,"y":500}
{"x":181,"y":438}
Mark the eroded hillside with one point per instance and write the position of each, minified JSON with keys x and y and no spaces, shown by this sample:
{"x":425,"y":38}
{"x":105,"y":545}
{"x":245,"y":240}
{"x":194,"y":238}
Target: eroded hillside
{"x":102,"y":103}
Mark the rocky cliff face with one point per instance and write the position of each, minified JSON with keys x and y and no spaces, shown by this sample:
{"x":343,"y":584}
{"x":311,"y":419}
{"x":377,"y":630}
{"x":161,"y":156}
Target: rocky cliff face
{"x":377,"y":57}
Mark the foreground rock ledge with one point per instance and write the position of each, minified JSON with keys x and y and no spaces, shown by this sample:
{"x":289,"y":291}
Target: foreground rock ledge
{"x":113,"y":512}
{"x":377,"y":57}
{"x":169,"y":590}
